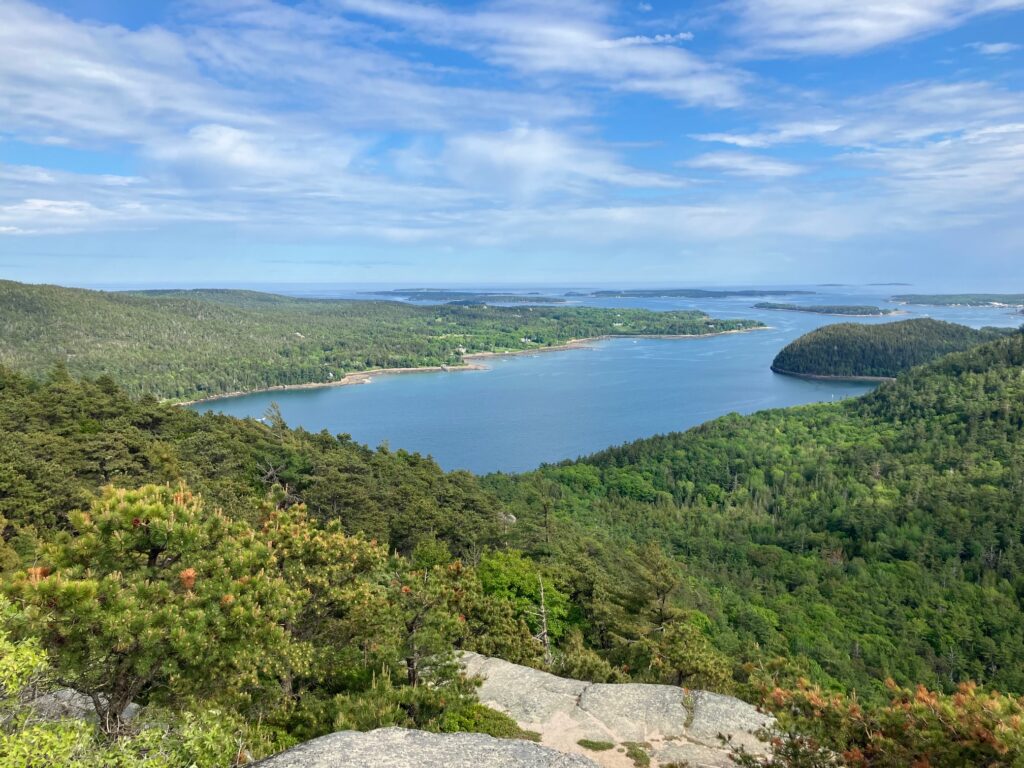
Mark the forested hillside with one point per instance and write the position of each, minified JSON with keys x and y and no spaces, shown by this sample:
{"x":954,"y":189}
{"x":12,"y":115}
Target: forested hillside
{"x":845,"y":543}
{"x":855,"y":349}
{"x":190,"y":344}
{"x":876,"y":538}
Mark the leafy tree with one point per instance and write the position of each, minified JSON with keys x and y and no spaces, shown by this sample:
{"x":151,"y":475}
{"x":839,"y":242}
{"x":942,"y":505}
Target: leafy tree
{"x":513,"y":578}
{"x":682,"y":654}
{"x":339,"y":583}
{"x":914,"y":728}
{"x":152,"y":595}
{"x":428,"y":596}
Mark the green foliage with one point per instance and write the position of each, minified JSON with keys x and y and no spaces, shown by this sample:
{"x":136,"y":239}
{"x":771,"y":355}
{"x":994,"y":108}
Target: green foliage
{"x":339,"y":583}
{"x":153,"y":595}
{"x":429,"y":600}
{"x":858,"y":310}
{"x":204,"y":738}
{"x":476,"y":718}
{"x":637,"y":752}
{"x":323,"y":585}
{"x":914,"y":728}
{"x":193,"y":344}
{"x":63,"y":440}
{"x":596,"y":746}
{"x":858,"y":541}
{"x":511,"y":577}
{"x":856,"y":349}
{"x":575,"y":660}
{"x":386,"y":704}
{"x":683,"y":654}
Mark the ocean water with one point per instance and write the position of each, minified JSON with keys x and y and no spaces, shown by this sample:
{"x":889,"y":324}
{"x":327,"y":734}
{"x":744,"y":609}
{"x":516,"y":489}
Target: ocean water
{"x":525,"y":410}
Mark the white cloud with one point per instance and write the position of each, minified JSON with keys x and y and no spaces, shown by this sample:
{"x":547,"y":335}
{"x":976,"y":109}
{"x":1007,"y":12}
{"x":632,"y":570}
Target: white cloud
{"x":71,"y":80}
{"x":843,"y":28}
{"x":678,"y":37}
{"x":322,"y":121}
{"x":744,"y":164}
{"x":566,"y":39}
{"x":783,"y":134}
{"x":232,"y":156}
{"x":978,"y":174}
{"x":995,"y":49}
{"x":526,"y":162}
{"x":906,"y":113}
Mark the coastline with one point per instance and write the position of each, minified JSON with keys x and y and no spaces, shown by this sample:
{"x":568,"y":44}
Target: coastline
{"x":365,"y":377}
{"x":822,"y":377}
{"x":839,"y":314}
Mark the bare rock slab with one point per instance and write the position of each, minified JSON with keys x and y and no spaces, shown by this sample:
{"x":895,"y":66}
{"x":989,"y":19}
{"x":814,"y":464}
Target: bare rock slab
{"x":402,"y":748}
{"x":675,"y":725}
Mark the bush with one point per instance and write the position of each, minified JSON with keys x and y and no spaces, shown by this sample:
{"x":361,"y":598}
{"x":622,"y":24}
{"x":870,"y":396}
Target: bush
{"x":596,"y":746}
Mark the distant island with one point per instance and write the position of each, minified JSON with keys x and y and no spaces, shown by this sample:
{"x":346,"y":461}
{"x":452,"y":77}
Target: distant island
{"x":889,"y":284}
{"x":193,"y":345}
{"x":875,"y":352}
{"x":848,"y":310}
{"x":685,"y":293}
{"x":466,"y":298}
{"x":963,"y":299}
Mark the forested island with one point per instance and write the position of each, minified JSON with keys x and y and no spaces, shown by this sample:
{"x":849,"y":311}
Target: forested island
{"x":254,"y":585}
{"x":850,"y":310}
{"x":687,"y":293}
{"x":855,"y":350}
{"x":963,"y":299}
{"x":193,"y":344}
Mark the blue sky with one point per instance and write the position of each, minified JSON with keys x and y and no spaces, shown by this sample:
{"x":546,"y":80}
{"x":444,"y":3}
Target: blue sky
{"x":719,"y":142}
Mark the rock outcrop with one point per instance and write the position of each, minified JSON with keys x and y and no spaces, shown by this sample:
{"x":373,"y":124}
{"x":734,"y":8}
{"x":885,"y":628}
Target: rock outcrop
{"x":401,"y":748}
{"x":619,"y":724}
{"x":670,"y":724}
{"x":67,"y":703}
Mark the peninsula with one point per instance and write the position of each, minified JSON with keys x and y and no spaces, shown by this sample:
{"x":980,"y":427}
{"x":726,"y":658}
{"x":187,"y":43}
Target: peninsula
{"x":192,"y":345}
{"x":845,"y":310}
{"x":688,"y":293}
{"x":962,"y":299}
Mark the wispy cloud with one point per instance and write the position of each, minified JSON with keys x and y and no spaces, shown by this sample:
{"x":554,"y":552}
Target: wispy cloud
{"x":844,"y":28}
{"x":524,"y":163}
{"x":745,"y":164}
{"x":905,"y":113}
{"x":570,"y":39}
{"x":509,"y":125}
{"x":995,"y":49}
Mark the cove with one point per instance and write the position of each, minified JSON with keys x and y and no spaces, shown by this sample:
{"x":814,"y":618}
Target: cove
{"x":525,"y":410}
{"x":528,"y":409}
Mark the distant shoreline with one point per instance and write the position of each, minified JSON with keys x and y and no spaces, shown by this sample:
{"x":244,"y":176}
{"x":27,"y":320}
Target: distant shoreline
{"x":823,"y":377}
{"x":835,"y":314}
{"x":365,"y":377}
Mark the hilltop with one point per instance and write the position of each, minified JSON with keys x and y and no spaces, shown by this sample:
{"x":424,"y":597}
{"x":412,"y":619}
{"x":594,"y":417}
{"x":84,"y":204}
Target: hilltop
{"x":855,"y":350}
